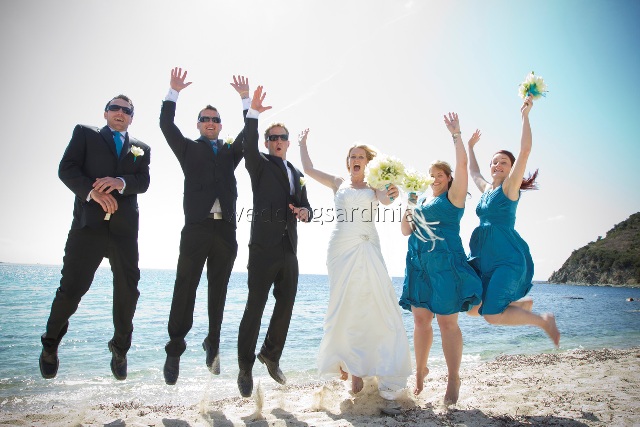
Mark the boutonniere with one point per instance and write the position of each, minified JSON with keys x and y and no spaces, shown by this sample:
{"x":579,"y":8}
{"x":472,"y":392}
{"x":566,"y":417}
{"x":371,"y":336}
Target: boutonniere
{"x":302,"y":182}
{"x":228,"y":142}
{"x":136,"y":151}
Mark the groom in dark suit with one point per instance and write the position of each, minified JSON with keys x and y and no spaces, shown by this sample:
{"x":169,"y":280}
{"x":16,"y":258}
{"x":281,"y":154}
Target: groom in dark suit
{"x":279,"y":201}
{"x":209,"y":232}
{"x":106,"y":169}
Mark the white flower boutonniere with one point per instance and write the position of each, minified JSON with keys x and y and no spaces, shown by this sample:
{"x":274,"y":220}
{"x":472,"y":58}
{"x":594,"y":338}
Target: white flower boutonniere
{"x":136,"y":151}
{"x":302,"y":181}
{"x":228,"y":142}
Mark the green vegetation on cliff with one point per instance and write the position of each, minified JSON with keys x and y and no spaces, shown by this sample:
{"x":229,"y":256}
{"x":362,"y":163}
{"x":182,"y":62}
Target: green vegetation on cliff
{"x":614,"y":260}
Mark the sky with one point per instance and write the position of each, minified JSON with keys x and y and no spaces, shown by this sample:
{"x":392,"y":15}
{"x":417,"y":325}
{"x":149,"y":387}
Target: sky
{"x":379,"y":72}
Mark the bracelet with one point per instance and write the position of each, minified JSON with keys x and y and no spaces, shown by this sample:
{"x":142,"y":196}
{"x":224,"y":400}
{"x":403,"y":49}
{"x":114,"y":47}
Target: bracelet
{"x":455,"y":135}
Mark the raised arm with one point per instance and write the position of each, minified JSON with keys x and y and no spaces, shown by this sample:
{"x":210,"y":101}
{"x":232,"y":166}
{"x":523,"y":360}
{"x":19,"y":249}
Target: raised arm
{"x":474,"y":169}
{"x":458,"y":190}
{"x":323,"y":178}
{"x":251,"y":137}
{"x":241,"y":85}
{"x":511,"y":185}
{"x":171,"y":133}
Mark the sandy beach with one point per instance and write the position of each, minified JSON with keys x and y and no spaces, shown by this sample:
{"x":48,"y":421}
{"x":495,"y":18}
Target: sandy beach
{"x":574,"y":388}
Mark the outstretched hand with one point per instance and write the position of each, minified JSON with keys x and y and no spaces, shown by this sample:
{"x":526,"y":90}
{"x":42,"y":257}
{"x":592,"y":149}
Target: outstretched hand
{"x":474,"y":138}
{"x":452,"y":122}
{"x":241,"y":85}
{"x":302,"y":137}
{"x":177,"y":79}
{"x":258,"y":98}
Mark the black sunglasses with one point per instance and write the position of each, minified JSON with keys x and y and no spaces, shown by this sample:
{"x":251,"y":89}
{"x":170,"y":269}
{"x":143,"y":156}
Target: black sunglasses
{"x":206,"y":119}
{"x":272,"y":138}
{"x":114,"y":107}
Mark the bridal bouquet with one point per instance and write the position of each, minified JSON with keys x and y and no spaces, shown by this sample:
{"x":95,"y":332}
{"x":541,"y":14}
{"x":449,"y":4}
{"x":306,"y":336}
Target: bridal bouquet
{"x":532,"y":85}
{"x":384,"y":171}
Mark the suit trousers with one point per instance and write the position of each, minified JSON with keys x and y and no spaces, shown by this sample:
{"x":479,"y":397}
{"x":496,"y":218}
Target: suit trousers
{"x":83,"y":253}
{"x":214,"y":242}
{"x":277,"y":265}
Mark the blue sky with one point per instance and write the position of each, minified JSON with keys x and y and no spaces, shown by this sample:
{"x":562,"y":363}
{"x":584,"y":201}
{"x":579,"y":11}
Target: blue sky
{"x":379,"y":72}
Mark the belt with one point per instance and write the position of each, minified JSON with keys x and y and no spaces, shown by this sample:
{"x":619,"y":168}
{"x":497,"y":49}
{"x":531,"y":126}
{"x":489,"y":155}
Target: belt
{"x":215,"y":215}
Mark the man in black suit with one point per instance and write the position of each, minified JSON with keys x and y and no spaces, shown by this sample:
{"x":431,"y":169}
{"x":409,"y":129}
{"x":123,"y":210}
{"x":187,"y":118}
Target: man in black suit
{"x":209,"y":233}
{"x":106,"y":169}
{"x":279,"y":201}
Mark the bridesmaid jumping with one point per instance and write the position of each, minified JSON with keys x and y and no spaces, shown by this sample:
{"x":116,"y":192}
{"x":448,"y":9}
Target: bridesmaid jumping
{"x":497,"y":252}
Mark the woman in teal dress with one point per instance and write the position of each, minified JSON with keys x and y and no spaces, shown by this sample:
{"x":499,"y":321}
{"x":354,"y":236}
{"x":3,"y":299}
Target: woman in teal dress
{"x":438,"y":279}
{"x":497,"y":252}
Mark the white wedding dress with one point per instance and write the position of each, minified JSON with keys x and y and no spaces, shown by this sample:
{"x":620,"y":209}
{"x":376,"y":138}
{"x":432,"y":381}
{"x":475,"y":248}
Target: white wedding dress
{"x":363,"y":329}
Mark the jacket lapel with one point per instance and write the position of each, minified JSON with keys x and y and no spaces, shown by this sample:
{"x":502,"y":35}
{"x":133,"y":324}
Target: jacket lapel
{"x":108,"y":139}
{"x":282,"y":176}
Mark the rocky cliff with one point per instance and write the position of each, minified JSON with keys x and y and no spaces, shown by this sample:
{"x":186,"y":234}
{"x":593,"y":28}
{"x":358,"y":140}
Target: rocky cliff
{"x":613,"y":260}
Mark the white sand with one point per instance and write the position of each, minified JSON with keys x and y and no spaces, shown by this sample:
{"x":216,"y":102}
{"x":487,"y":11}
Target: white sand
{"x":576,"y":388}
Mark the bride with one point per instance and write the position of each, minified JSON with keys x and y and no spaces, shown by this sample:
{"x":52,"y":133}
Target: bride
{"x":363,"y":331}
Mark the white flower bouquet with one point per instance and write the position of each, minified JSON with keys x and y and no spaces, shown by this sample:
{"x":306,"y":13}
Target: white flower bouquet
{"x":532,"y":85}
{"x":384,"y":171}
{"x":415,"y":182}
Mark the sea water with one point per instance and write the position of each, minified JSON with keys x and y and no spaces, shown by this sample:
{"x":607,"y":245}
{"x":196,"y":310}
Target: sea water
{"x":588,"y":317}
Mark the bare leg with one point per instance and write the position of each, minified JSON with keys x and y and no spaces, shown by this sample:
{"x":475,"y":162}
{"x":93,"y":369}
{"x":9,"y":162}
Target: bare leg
{"x":474,"y":310}
{"x":356,"y":384}
{"x":452,"y":348}
{"x":422,"y":341}
{"x":514,"y":315}
{"x":525,"y":303}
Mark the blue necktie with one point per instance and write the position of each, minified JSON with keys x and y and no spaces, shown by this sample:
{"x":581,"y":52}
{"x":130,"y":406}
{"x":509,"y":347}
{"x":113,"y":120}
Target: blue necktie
{"x":117,"y":138}
{"x":214,"y":145}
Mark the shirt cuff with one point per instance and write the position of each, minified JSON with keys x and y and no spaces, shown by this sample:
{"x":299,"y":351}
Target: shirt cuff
{"x":252,"y":114}
{"x":172,"y":95}
{"x":246,"y":103}
{"x":124,"y":184}
{"x":89,"y":196}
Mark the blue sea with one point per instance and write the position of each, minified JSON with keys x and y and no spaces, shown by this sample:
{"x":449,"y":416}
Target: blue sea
{"x":589,"y":317}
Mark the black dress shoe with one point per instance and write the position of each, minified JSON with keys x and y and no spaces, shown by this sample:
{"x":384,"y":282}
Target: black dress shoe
{"x":118,"y":364}
{"x":49,"y":364}
{"x":171,"y":369}
{"x":213,"y":358}
{"x":274,"y":369}
{"x":245,"y":382}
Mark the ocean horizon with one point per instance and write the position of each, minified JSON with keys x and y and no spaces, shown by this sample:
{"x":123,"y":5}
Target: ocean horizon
{"x":589,"y":317}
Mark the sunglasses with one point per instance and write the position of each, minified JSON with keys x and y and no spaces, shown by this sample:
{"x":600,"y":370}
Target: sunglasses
{"x":272,"y":138}
{"x":113,"y":107}
{"x":205,"y":119}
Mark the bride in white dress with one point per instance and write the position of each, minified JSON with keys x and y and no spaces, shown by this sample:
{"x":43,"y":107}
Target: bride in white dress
{"x":363,"y":331}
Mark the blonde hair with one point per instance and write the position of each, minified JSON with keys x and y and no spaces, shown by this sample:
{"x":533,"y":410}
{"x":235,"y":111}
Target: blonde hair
{"x":273,"y":125}
{"x":370,"y":152}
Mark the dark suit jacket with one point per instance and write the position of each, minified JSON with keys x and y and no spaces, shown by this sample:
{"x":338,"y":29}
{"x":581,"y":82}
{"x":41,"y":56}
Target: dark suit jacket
{"x":91,"y":154}
{"x":272,"y":217}
{"x":207,"y":176}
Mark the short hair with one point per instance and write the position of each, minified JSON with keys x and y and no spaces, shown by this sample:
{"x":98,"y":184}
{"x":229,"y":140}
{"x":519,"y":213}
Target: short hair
{"x":273,"y":125}
{"x":124,"y":98}
{"x":209,"y":107}
{"x":370,"y":152}
{"x":444,"y":167}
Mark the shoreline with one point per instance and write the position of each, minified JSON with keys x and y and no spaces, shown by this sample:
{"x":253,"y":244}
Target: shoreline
{"x":573,"y":388}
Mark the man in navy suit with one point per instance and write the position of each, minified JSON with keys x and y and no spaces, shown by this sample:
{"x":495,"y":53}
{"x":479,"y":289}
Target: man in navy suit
{"x":106,"y":169}
{"x":209,"y":232}
{"x":279,"y":202}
